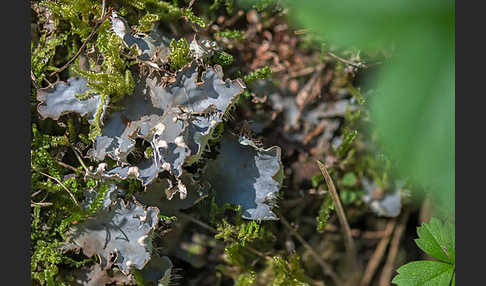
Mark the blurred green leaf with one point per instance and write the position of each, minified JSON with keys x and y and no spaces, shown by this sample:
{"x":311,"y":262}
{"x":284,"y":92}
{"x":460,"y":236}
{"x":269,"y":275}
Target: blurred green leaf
{"x":317,"y":180}
{"x":349,"y":179}
{"x":348,"y":196}
{"x":367,"y":24}
{"x":413,"y":107}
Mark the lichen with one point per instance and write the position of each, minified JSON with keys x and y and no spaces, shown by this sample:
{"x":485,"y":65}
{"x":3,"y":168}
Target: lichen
{"x":121,"y":231}
{"x":62,"y":99}
{"x":177,"y":120}
{"x":252,"y":181}
{"x":382,"y":202}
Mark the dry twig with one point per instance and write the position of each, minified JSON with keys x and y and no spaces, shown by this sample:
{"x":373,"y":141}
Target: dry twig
{"x":34,"y":204}
{"x":87,"y":171}
{"x":358,"y":65}
{"x":196,"y":221}
{"x":375,"y":259}
{"x":69,"y":166}
{"x":386,"y":274}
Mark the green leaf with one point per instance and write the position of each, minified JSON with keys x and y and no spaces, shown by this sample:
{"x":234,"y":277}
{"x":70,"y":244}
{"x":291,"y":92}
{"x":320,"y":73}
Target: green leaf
{"x":367,"y":24}
{"x":437,"y":240}
{"x":424,"y":273}
{"x":413,"y":110}
{"x":349,"y":179}
{"x":348,"y":196}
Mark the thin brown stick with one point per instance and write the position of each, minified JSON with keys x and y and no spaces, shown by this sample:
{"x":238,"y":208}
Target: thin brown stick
{"x":263,"y":255}
{"x":326,"y":268}
{"x":375,"y":259}
{"x":80,"y":160}
{"x":62,"y":185}
{"x":93,"y":32}
{"x":34,"y":204}
{"x":32,"y":77}
{"x":36,"y":193}
{"x":69,"y":166}
{"x":358,"y":65}
{"x":348,"y":238}
{"x":377,"y":234}
{"x":102,"y":8}
{"x":386,"y":274}
{"x":196,"y":221}
{"x":425,"y":210}
{"x":301,"y":31}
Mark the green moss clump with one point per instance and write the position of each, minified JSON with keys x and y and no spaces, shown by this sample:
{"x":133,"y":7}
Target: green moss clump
{"x":246,"y":279}
{"x":348,"y":139}
{"x":165,"y":11}
{"x":145,"y":23}
{"x":43,"y":53}
{"x":262,"y":5}
{"x":231,"y":34}
{"x":149,"y":152}
{"x":179,"y":53}
{"x":222,"y":58}
{"x":261,"y":73}
{"x":324,"y":213}
{"x":111,"y":87}
{"x":288,"y":273}
{"x":188,"y":14}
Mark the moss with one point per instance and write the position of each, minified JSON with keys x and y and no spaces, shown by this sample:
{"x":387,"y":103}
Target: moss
{"x":165,"y":11}
{"x":288,"y":272}
{"x":240,"y":235}
{"x":262,"y":5}
{"x":324,"y":213}
{"x":222,"y":58}
{"x":231,"y":34}
{"x":41,"y":157}
{"x":246,"y":279}
{"x":356,"y":93}
{"x":229,"y":5}
{"x":81,"y":214}
{"x":149,"y":152}
{"x":188,"y":14}
{"x":47,"y":231}
{"x":42,"y":55}
{"x":145,"y":23}
{"x":111,"y":87}
{"x":179,"y":53}
{"x":261,"y":73}
{"x":348,"y":139}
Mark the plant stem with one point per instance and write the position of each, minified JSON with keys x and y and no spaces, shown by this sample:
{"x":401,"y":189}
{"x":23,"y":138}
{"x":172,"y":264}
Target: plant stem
{"x":349,"y":242}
